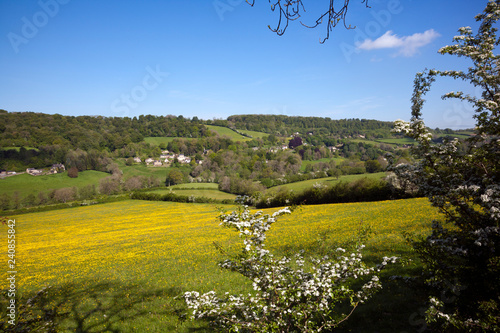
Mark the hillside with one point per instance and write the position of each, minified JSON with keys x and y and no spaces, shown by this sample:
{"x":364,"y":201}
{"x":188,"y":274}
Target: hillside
{"x":21,"y":129}
{"x":243,"y":155}
{"x":316,"y":126}
{"x":121,"y":266}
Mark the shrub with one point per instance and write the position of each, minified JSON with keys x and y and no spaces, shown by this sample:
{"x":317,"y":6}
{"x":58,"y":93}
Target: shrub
{"x":65,"y":194}
{"x":290,"y":294}
{"x":73,"y":172}
{"x":129,"y":161}
{"x":364,"y":189}
{"x":174,"y":177}
{"x":462,"y":257}
{"x":109,"y":185}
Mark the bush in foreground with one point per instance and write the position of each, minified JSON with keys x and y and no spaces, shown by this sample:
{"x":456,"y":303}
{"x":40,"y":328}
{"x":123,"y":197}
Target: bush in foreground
{"x":291,"y":294}
{"x":462,"y":256}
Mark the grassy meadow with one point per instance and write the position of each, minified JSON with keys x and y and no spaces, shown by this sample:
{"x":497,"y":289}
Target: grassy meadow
{"x":197,"y":191}
{"x":305,"y":184}
{"x":156,"y":141}
{"x":397,"y":141}
{"x":254,"y":134}
{"x":121,"y":266}
{"x":305,"y":163}
{"x":26,"y":184}
{"x":225,"y":131}
{"x":141,"y":169}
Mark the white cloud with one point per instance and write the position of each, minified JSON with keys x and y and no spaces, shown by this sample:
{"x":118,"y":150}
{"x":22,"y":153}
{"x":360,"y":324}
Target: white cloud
{"x":407,"y":45}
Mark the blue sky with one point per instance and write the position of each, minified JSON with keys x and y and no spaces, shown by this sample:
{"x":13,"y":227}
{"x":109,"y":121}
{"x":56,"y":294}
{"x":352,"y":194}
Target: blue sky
{"x":215,"y":58}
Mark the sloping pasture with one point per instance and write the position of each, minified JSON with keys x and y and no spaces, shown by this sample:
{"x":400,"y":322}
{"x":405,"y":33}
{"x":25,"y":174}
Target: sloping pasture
{"x":121,"y":266}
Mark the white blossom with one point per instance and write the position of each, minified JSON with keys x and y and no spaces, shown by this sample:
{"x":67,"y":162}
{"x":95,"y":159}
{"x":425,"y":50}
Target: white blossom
{"x":301,"y":293}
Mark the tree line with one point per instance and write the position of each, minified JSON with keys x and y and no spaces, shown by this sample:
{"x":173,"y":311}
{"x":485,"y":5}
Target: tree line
{"x":30,"y":129}
{"x":323,"y":127}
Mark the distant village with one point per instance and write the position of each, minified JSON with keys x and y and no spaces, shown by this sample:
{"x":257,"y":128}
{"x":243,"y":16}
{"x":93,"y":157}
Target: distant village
{"x":166,"y":158}
{"x":55,"y":168}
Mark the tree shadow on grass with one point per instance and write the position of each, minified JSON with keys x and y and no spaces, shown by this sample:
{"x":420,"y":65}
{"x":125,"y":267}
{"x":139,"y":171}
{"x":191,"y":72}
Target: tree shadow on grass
{"x":99,"y":307}
{"x":398,"y":307}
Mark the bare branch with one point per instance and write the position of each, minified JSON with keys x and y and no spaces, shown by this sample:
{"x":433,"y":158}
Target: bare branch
{"x":290,"y":10}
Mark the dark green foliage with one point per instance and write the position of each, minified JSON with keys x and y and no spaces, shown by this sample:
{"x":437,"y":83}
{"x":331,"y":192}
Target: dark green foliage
{"x":90,"y":132}
{"x":373,"y":166}
{"x":129,"y":161}
{"x":174,"y":177}
{"x":364,"y":189}
{"x":138,"y":195}
{"x":5,"y":201}
{"x":239,"y":186}
{"x":323,"y":127}
{"x":81,"y":141}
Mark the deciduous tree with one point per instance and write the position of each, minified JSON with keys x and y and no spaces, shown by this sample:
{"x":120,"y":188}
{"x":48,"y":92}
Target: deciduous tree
{"x":174,"y":177}
{"x":462,"y":179}
{"x":73,"y":172}
{"x":109,"y":185}
{"x":295,"y":142}
{"x":290,"y":294}
{"x":64,"y":194}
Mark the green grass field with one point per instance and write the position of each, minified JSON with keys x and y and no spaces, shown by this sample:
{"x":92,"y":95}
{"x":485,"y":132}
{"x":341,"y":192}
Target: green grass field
{"x":207,"y":190}
{"x":254,"y":134}
{"x":120,"y":267}
{"x":460,"y":136}
{"x":391,"y":141}
{"x":398,"y":141}
{"x":224,"y":131}
{"x":207,"y":193}
{"x":26,"y":184}
{"x":140,"y":169}
{"x":156,"y":141}
{"x":300,"y":186}
{"x":305,"y":163}
{"x":194,"y":186}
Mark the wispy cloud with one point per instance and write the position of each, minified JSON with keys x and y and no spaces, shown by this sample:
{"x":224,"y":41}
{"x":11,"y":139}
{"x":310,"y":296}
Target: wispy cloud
{"x":406,"y":45}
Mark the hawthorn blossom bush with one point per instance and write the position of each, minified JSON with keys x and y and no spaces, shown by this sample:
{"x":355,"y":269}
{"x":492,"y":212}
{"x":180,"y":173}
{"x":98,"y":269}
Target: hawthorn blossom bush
{"x":462,"y":179}
{"x":290,"y":294}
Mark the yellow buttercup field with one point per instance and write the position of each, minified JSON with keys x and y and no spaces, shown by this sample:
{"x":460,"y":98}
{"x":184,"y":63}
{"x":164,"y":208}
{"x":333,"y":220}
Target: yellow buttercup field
{"x":121,"y":265}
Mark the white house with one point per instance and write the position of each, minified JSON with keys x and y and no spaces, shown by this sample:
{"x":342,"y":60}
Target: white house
{"x":56,"y":168}
{"x":34,"y":172}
